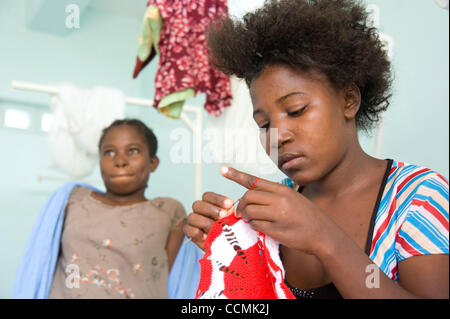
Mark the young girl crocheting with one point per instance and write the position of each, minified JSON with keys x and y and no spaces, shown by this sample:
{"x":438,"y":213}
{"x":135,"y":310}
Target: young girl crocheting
{"x":122,"y":244}
{"x":349,"y":225}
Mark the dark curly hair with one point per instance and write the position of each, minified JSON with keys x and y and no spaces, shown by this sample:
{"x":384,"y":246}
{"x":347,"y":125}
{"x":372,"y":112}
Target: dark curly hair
{"x":148,"y":134}
{"x":333,"y":37}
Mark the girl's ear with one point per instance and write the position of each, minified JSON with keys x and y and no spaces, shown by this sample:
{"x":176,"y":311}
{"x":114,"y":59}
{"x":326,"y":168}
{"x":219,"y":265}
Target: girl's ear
{"x":154,"y":163}
{"x":352,"y":101}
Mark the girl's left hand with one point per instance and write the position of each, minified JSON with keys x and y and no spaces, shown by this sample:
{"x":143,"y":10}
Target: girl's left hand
{"x":280,"y":212}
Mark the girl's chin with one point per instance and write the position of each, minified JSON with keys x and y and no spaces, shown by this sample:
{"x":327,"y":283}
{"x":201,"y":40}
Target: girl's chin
{"x":123,"y":189}
{"x":301,"y":177}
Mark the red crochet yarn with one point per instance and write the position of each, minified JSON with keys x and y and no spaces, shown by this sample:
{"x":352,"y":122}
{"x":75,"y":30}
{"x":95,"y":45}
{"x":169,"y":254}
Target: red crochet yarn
{"x":241,"y":263}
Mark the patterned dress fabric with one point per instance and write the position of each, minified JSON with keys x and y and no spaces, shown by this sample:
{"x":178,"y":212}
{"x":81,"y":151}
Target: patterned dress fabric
{"x":183,"y":61}
{"x":114,"y":251}
{"x":412,"y":218}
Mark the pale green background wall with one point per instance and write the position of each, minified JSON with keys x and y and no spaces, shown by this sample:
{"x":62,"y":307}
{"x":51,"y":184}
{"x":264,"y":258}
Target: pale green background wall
{"x":102,"y":52}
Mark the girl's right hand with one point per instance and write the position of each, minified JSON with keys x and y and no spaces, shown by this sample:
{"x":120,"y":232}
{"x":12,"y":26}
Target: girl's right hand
{"x":212,"y":207}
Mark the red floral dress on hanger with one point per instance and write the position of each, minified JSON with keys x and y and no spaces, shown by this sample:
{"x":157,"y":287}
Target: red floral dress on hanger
{"x":176,"y":30}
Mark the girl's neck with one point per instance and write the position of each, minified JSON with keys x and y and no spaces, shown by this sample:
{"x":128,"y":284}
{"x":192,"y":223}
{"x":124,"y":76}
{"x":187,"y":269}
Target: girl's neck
{"x":352,"y":173}
{"x":113,"y":199}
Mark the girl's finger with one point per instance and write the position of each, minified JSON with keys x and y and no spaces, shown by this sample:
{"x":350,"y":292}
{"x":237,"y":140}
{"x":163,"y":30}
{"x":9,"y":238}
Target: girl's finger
{"x":209,"y":210}
{"x":200,"y":221}
{"x":252,"y":212}
{"x":258,"y":197}
{"x":218,"y":200}
{"x":196,"y":235}
{"x":247,"y":180}
{"x":263,"y":226}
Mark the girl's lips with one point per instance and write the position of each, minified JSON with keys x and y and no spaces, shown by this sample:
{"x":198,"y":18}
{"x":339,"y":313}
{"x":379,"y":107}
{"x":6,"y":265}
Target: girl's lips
{"x":124,"y":176}
{"x":293,"y":163}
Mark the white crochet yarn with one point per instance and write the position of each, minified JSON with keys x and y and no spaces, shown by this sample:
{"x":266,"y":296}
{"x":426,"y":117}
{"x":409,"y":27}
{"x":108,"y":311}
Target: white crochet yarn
{"x":234,"y":237}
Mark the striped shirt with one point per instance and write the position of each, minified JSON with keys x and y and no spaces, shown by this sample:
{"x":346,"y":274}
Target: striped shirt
{"x":412,"y":217}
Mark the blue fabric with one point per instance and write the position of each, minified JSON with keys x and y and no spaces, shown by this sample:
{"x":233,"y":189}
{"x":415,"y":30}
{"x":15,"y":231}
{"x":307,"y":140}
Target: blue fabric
{"x":185,"y":274}
{"x":35,"y":275}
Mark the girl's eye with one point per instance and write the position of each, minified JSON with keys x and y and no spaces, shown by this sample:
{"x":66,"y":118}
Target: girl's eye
{"x":109,"y":153}
{"x":298,"y":111}
{"x":133,"y":151}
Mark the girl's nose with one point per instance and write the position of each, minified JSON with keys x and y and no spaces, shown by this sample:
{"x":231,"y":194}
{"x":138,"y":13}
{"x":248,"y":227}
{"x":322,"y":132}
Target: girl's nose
{"x":120,"y":161}
{"x":280,"y":132}
{"x":284,"y":136}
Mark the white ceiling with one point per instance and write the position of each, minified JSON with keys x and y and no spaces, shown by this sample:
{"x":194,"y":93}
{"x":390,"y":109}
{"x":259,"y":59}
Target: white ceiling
{"x":127,"y":8}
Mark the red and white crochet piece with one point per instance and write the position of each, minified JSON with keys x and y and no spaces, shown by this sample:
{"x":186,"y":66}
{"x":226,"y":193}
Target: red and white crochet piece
{"x":241,"y":263}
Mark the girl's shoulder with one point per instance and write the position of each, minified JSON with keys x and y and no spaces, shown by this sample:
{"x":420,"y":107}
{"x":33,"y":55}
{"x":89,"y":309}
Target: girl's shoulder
{"x":76,"y":201}
{"x":409,"y":178}
{"x":167,"y":203}
{"x":79,"y":193}
{"x":416,"y":205}
{"x":172,"y":208}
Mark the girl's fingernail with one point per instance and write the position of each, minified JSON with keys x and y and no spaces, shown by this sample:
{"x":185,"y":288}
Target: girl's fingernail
{"x":222,"y":214}
{"x":228,"y":203}
{"x":224,"y":169}
{"x":204,"y":236}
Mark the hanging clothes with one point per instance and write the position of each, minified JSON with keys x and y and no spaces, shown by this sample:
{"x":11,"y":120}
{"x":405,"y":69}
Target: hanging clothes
{"x":176,"y":30}
{"x":79,"y":116}
{"x":234,"y":138}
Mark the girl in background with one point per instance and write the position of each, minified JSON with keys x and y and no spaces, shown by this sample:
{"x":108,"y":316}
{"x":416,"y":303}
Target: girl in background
{"x":119,"y":244}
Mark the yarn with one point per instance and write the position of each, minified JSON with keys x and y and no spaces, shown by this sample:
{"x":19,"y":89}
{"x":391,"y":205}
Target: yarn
{"x":241,"y":263}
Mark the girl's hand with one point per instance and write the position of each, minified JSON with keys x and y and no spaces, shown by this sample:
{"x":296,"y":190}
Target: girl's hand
{"x":280,"y":212}
{"x":212,"y":207}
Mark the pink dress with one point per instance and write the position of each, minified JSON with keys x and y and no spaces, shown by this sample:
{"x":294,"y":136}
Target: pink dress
{"x":183,"y":62}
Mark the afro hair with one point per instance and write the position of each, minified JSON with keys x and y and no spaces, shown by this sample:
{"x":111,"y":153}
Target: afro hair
{"x":334,"y":37}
